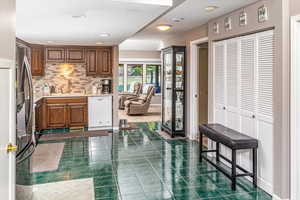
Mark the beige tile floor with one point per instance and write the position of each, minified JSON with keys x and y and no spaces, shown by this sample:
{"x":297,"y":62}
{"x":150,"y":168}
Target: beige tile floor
{"x":153,"y":115}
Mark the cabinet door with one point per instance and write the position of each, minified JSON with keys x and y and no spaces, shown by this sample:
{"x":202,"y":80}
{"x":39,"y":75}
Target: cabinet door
{"x":37,"y":60}
{"x":75,"y":55}
{"x":264,"y":104}
{"x":219,"y":81}
{"x":56,"y":115}
{"x":77,"y":113}
{"x":55,"y":54}
{"x":91,"y":61}
{"x":232,"y":84}
{"x":104,"y":63}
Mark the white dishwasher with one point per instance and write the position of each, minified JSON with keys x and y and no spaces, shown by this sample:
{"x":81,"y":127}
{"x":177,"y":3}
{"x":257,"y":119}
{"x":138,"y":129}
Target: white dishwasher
{"x":100,"y":112}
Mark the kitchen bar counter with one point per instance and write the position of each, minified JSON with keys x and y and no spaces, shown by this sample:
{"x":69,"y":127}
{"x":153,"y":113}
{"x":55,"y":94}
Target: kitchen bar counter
{"x":71,"y":95}
{"x":73,"y":111}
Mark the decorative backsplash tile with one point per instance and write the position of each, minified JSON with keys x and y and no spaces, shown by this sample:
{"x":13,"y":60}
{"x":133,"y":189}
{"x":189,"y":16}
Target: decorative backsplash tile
{"x":59,"y":75}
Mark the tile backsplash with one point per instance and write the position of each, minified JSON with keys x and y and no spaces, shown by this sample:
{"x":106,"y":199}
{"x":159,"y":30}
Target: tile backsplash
{"x":58,"y":75}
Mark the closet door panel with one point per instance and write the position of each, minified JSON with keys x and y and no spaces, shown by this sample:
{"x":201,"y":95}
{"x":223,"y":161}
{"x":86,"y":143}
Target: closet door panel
{"x":219,"y":82}
{"x":265,"y":152}
{"x":264,"y":105}
{"x":232,"y":84}
{"x":247,"y":78}
{"x":247,"y":92}
{"x":265,"y":63}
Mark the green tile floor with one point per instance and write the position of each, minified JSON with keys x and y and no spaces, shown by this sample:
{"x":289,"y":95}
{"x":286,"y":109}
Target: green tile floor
{"x":140,"y":165}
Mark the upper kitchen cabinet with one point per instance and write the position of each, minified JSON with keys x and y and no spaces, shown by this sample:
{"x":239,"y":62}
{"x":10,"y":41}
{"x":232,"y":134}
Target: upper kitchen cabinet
{"x":55,"y":54}
{"x":99,"y":61}
{"x":91,"y":62}
{"x":37,"y":60}
{"x":104,"y":61}
{"x":67,"y":54}
{"x":75,"y":55}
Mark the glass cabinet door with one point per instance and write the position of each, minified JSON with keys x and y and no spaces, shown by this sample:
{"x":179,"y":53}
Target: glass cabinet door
{"x":179,"y":91}
{"x":167,"y":97}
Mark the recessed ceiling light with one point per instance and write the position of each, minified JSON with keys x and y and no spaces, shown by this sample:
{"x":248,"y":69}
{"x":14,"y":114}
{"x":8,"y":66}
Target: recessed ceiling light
{"x":211,"y":8}
{"x":104,"y":35}
{"x":78,"y":16}
{"x":49,"y":42}
{"x":164,"y":27}
{"x":99,"y":43}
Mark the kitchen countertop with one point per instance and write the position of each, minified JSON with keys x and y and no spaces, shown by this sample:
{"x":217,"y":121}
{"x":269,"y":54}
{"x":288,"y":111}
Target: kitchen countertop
{"x":71,"y":95}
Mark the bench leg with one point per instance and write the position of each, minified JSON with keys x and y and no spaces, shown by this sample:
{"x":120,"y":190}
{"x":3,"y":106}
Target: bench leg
{"x":200,"y":148}
{"x":218,"y":151}
{"x":233,"y":170}
{"x":254,"y":151}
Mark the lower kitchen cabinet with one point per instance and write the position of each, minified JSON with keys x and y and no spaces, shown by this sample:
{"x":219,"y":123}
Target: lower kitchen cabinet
{"x":77,"y":114}
{"x":61,"y":113}
{"x":56,"y":115}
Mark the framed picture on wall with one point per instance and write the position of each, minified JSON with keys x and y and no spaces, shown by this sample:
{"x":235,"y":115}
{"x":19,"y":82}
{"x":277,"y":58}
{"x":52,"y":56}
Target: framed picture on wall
{"x":262,"y":13}
{"x":243,"y":18}
{"x":216,"y":28}
{"x":227,"y":24}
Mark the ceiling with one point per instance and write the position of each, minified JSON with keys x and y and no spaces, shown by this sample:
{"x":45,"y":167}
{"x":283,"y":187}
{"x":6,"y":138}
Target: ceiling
{"x":83,"y":21}
{"x":194,"y":14}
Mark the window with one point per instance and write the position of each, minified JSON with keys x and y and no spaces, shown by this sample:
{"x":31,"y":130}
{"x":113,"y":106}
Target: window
{"x":121,"y":78}
{"x":153,"y":76}
{"x":134,"y":74}
{"x":147,"y":74}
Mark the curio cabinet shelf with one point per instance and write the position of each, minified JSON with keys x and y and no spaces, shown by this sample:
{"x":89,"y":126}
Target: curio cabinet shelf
{"x":173,"y":91}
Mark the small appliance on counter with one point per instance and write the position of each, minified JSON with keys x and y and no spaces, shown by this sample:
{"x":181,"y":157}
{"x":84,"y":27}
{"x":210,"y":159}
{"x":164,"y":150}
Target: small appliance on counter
{"x":106,"y":86}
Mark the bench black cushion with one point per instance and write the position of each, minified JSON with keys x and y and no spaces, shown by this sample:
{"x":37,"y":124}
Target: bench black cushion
{"x":229,"y":137}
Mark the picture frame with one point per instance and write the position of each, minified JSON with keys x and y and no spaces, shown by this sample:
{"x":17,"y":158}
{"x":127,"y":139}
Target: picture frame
{"x":243,"y":18}
{"x":216,"y":28}
{"x":263,"y":14}
{"x":227,"y":24}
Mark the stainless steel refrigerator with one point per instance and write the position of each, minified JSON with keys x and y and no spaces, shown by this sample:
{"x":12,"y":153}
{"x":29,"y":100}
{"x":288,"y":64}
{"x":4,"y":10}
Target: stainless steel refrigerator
{"x":26,"y":138}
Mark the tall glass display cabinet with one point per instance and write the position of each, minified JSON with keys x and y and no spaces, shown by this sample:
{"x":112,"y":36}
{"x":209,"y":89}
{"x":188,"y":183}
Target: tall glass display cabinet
{"x":173,"y":90}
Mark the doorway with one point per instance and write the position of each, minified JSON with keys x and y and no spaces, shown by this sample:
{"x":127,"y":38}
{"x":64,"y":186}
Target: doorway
{"x":295,"y":108}
{"x":202,"y":83}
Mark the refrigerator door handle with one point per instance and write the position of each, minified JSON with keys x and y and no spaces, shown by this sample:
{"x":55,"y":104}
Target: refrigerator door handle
{"x":29,"y":151}
{"x":29,"y":76}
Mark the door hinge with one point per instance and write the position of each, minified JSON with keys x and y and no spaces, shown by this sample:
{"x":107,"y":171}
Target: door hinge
{"x":11,"y":148}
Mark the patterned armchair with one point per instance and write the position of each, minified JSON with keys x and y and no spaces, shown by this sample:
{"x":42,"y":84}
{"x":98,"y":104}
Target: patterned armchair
{"x":140,"y":105}
{"x":124,"y":96}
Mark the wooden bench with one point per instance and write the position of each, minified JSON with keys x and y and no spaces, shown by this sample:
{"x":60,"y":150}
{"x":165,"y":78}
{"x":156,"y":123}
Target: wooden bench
{"x":233,"y":140}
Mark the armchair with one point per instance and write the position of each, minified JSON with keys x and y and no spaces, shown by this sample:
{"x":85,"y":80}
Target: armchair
{"x":124,"y":96}
{"x":140,"y":105}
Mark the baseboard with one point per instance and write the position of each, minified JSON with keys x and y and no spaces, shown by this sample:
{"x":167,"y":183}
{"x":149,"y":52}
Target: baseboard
{"x":275,"y":197}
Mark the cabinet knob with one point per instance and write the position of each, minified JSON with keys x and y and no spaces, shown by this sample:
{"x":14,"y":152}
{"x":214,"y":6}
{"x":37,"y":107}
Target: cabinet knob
{"x":253,"y":116}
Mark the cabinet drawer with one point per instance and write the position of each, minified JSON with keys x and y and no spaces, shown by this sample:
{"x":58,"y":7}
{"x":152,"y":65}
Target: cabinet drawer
{"x":66,"y":100}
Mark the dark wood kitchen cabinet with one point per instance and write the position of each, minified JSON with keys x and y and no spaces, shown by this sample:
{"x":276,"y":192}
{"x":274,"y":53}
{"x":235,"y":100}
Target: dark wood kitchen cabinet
{"x":55,"y":54}
{"x":77,"y":114}
{"x":91,"y":62}
{"x":37,"y":60}
{"x":99,"y":61}
{"x":61,"y":112}
{"x":75,"y":55}
{"x":56,"y":115}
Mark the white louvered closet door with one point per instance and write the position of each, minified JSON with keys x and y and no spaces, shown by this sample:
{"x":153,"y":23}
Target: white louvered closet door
{"x":219,"y":82}
{"x":264,"y":105}
{"x":248,"y":54}
{"x":232,"y":84}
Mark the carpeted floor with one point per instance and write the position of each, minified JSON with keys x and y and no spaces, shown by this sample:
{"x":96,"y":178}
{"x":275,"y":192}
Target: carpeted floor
{"x":153,"y":115}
